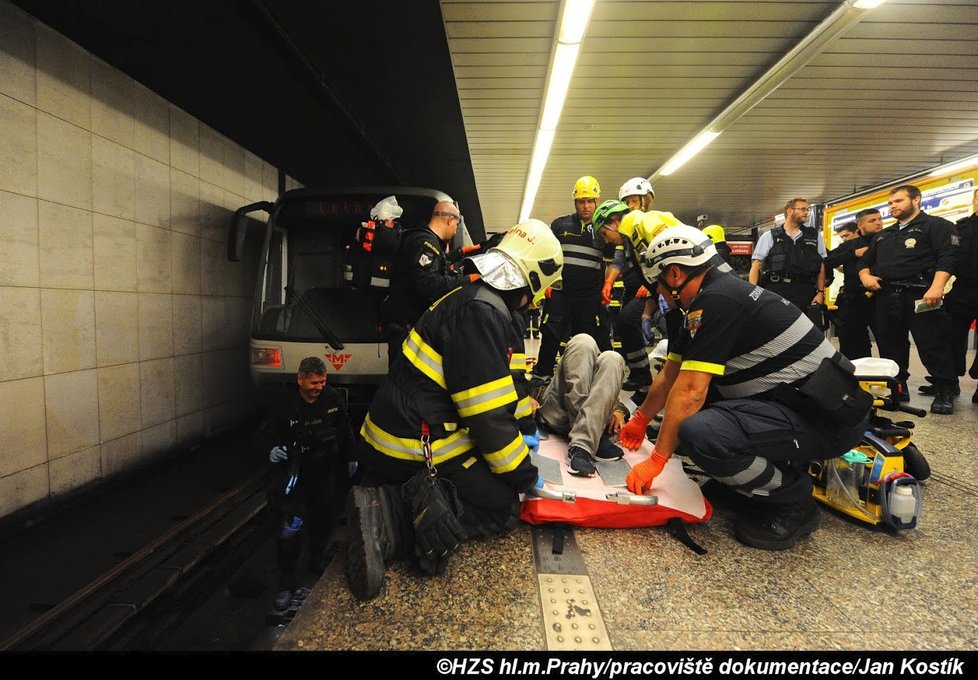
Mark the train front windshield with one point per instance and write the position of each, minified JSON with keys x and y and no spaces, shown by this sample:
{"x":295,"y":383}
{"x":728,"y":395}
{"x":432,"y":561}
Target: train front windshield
{"x":305,"y":290}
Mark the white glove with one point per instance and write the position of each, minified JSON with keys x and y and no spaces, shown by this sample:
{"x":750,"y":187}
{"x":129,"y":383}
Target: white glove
{"x":278,"y":454}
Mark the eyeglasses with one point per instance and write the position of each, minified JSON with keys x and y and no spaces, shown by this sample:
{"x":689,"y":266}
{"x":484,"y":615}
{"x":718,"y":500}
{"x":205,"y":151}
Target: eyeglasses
{"x":449,"y":215}
{"x":805,"y":209}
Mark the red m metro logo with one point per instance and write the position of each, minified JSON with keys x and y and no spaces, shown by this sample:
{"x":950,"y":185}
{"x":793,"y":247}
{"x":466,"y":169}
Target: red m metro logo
{"x":338,"y":360}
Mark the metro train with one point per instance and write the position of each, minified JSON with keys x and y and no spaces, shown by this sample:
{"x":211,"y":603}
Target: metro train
{"x":308,"y":301}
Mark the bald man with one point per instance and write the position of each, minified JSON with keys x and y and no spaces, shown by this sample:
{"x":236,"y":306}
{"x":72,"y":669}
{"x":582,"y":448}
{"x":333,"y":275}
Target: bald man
{"x":421,"y":274}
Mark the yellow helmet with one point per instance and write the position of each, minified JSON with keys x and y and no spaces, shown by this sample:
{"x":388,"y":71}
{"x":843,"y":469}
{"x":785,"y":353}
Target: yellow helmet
{"x":587,"y":187}
{"x":641,"y":227}
{"x":529,"y":255}
{"x":715,"y":232}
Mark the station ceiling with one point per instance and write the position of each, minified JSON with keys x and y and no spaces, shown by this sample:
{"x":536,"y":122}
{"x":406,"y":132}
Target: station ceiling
{"x":448,"y":94}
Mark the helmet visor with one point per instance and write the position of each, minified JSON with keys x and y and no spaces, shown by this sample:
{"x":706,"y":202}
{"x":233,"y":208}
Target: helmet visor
{"x":498,"y":271}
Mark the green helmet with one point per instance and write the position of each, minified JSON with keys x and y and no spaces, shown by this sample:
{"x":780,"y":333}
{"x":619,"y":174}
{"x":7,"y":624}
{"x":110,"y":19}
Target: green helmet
{"x":606,"y":210}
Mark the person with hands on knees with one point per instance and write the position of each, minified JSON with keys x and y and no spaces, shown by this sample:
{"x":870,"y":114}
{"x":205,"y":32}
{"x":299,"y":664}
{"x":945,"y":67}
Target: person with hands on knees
{"x":445,"y":450}
{"x":752,"y":392}
{"x":581,"y":403}
{"x":308,"y":437}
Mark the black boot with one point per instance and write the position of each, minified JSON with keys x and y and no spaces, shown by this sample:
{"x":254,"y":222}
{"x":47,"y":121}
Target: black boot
{"x":380,"y":531}
{"x":287,"y":550}
{"x":779,"y":527}
{"x":943,"y":403}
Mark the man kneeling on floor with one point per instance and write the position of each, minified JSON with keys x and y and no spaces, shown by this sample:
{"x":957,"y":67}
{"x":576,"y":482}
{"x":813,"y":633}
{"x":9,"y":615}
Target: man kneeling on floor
{"x":443,"y":458}
{"x":578,"y":401}
{"x":752,"y":391}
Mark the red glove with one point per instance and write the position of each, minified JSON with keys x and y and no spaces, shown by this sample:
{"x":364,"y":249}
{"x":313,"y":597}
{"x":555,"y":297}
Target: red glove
{"x":468,"y":250}
{"x":642,"y":292}
{"x":473,"y":278}
{"x":606,"y":291}
{"x":633,"y":433}
{"x":639,"y":480}
{"x":547,"y":293}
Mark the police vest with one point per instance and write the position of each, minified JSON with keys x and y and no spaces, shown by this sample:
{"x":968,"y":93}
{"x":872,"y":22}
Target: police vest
{"x":794,"y":259}
{"x":583,"y":271}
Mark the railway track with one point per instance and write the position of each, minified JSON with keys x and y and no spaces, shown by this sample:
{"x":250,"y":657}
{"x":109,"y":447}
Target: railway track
{"x":138,"y":600}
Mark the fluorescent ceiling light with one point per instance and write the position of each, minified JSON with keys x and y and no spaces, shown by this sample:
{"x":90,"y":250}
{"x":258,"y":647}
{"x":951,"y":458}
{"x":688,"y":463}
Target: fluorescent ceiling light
{"x":867,"y":4}
{"x":577,"y":14}
{"x":574,"y":18}
{"x":541,"y":151}
{"x":688,"y":151}
{"x":947,"y":168}
{"x":842,"y":18}
{"x":565,"y":58}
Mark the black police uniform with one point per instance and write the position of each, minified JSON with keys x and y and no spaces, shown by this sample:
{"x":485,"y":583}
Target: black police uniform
{"x":422,"y":274}
{"x":310,"y":486}
{"x":759,"y":349}
{"x":856,"y":311}
{"x":455,"y":381}
{"x":791,"y":267}
{"x":905,"y":260}
{"x":961,"y":302}
{"x":576,"y":307}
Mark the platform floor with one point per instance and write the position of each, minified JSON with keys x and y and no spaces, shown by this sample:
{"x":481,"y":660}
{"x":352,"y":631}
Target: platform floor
{"x":847,"y":587}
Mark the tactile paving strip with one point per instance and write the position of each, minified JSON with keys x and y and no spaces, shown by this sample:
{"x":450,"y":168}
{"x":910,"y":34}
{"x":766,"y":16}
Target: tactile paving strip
{"x":571,"y":616}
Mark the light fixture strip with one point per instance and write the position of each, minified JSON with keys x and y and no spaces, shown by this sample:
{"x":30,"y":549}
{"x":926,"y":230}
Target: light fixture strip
{"x":574,"y":18}
{"x":948,"y":168}
{"x":842,"y":18}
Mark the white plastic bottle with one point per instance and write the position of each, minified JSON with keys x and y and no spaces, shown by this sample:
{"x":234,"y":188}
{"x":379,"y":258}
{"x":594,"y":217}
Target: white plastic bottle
{"x":903,"y":504}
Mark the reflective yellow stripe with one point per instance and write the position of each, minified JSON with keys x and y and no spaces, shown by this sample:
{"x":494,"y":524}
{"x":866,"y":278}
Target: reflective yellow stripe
{"x":517,"y":362}
{"x":406,"y":448}
{"x":523,"y":408}
{"x":485,"y":397}
{"x":678,"y":358}
{"x":509,"y":457}
{"x":425,"y":358}
{"x":702,"y":367}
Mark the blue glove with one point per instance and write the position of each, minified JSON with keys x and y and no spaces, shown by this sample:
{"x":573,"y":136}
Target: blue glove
{"x":664,"y":306}
{"x":278,"y":454}
{"x":539,"y":484}
{"x":532,"y":441}
{"x":648,"y":334}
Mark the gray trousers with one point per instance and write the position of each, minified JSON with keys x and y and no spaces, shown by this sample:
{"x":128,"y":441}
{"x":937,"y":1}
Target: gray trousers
{"x":579,"y":400}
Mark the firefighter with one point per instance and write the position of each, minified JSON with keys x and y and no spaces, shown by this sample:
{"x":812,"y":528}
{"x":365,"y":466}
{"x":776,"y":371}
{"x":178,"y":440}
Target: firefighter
{"x":637,"y":194}
{"x":719,"y":238}
{"x":422,"y":274}
{"x":452,"y":394}
{"x":737,"y":394}
{"x":576,"y":308}
{"x":628,"y":324}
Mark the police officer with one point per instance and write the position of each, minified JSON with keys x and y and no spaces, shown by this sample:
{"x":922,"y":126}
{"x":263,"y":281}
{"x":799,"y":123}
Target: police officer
{"x":962,"y":300}
{"x":452,"y":395}
{"x":731,"y":388}
{"x":576,"y":307}
{"x":907,"y":266}
{"x":856,"y":312}
{"x":788,"y":259}
{"x":307,"y":434}
{"x":422,"y":274}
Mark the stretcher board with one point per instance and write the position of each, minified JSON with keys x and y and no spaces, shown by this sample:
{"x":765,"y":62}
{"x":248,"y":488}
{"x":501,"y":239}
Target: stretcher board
{"x":678,"y":495}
